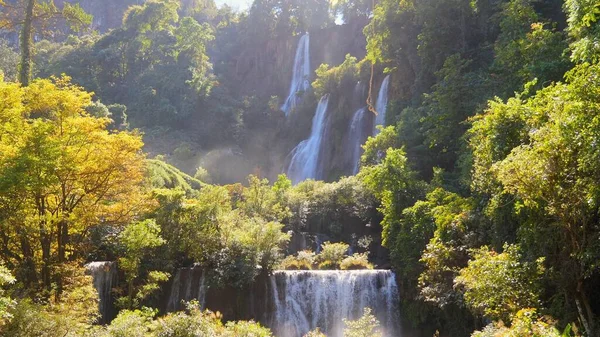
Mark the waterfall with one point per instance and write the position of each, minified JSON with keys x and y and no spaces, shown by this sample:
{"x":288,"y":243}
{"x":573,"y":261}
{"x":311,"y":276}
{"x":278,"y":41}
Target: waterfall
{"x":319,"y":240}
{"x":382,"y":102}
{"x":301,"y":74}
{"x":303,"y":240}
{"x":359,"y":93}
{"x":188,"y":284}
{"x":358,"y":132}
{"x":359,"y":129}
{"x":305,"y":157}
{"x":305,"y":300}
{"x":105,"y":276}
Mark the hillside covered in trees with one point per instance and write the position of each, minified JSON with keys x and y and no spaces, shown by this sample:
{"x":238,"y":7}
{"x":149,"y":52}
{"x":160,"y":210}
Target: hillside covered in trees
{"x":432,"y":169}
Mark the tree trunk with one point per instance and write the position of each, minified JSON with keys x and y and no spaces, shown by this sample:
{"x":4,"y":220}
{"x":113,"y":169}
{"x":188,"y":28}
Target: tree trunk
{"x":27,"y":45}
{"x":28,"y":263}
{"x":130,"y":293}
{"x":62,"y":239}
{"x":45,"y":241}
{"x":585,"y":310}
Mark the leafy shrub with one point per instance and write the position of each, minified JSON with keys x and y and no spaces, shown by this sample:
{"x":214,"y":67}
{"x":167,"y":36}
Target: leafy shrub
{"x":184,"y":152}
{"x":6,"y":303}
{"x":202,"y":175}
{"x":131,"y":324}
{"x":328,"y":265}
{"x":306,"y":256}
{"x":366,"y":326}
{"x":328,"y":206}
{"x":304,"y":260}
{"x":246,"y":329}
{"x":356,"y":262}
{"x":69,"y":317}
{"x":291,"y":263}
{"x":159,"y":174}
{"x":195,"y":322}
{"x":527,"y":323}
{"x":332,"y":255}
{"x":315,"y":333}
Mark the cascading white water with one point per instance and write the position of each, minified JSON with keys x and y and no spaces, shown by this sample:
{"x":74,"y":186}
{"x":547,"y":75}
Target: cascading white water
{"x":356,"y":138}
{"x":303,"y":240}
{"x":105,"y":275}
{"x":382,"y":102}
{"x":188,"y":284}
{"x":359,"y":129}
{"x":305,"y":300}
{"x":305,"y":157}
{"x":319,"y":240}
{"x":301,"y":74}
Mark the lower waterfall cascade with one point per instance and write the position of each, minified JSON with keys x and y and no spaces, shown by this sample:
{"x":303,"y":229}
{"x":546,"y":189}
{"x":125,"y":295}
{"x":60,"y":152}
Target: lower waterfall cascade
{"x":105,"y":277}
{"x":305,"y":300}
{"x":293,"y":303}
{"x":188,"y":284}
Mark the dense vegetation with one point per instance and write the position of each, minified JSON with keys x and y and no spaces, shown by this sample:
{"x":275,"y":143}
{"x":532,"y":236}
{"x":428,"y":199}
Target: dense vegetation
{"x":484,"y":186}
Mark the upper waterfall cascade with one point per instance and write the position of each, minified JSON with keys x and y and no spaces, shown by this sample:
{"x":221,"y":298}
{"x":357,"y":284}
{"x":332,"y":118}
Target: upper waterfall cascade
{"x":382,"y":102}
{"x":305,"y":300}
{"x":357,"y":136}
{"x":360,"y":129}
{"x":305,"y":157}
{"x":301,"y":74}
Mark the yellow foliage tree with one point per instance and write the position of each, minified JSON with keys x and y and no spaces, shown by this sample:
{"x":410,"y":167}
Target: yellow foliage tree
{"x":62,"y":172}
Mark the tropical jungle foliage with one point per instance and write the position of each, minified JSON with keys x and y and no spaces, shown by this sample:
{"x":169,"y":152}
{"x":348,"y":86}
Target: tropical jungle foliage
{"x":159,"y":142}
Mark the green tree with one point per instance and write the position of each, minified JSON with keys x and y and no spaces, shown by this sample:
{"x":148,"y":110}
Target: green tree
{"x":351,"y":10}
{"x":454,"y":98}
{"x":9,"y":61}
{"x":552,"y":173}
{"x":499,"y":285}
{"x":28,"y":14}
{"x":583,"y":18}
{"x":6,"y":303}
{"x":261,"y":200}
{"x":527,"y":49}
{"x":138,"y":239}
{"x":366,"y":326}
{"x":393,"y":183}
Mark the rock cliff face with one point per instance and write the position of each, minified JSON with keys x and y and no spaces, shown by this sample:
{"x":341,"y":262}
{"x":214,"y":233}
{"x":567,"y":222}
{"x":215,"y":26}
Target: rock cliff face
{"x":265,"y":70}
{"x":108,"y":14}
